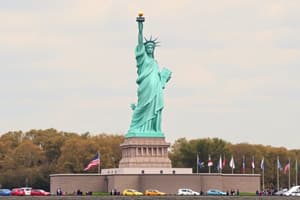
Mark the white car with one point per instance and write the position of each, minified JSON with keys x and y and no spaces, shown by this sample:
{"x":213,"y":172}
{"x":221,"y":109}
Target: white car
{"x":281,"y":192}
{"x":186,"y":191}
{"x":293,"y":191}
{"x":27,"y":190}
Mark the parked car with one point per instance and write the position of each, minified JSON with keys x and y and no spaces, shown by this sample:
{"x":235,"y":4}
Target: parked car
{"x":17,"y":192}
{"x":295,"y":194}
{"x":39,"y":192}
{"x":293,"y":191}
{"x":215,"y":192}
{"x":151,"y":192}
{"x":27,"y":190}
{"x":5,"y":192}
{"x":280,"y":192}
{"x":186,"y":191}
{"x":131,"y":192}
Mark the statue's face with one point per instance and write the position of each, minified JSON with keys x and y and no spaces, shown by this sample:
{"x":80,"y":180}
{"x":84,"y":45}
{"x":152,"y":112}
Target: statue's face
{"x":149,"y":48}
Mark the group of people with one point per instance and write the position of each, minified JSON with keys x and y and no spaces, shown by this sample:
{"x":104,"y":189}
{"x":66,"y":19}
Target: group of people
{"x":233,"y":192}
{"x":114,"y":192}
{"x":267,"y":192}
{"x":59,"y":192}
{"x":80,"y":193}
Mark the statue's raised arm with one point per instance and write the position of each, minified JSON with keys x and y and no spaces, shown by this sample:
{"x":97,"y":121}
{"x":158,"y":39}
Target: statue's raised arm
{"x":140,"y":19}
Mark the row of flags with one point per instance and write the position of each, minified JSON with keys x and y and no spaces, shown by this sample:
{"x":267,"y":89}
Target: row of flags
{"x":222,"y":164}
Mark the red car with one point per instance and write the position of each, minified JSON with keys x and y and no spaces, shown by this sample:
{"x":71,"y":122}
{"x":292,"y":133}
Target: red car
{"x":39,"y":192}
{"x":17,"y":192}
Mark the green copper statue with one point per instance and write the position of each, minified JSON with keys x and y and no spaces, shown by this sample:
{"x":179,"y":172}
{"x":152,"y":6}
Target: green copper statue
{"x":146,"y":119}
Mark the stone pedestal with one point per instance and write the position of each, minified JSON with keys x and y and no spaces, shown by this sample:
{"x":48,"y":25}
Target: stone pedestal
{"x":141,"y":152}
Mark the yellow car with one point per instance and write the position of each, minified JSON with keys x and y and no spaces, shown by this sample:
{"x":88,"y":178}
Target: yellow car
{"x":131,"y":192}
{"x":151,"y":192}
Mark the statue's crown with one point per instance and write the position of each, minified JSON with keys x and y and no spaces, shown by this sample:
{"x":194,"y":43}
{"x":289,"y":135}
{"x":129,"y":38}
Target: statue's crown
{"x":150,"y":40}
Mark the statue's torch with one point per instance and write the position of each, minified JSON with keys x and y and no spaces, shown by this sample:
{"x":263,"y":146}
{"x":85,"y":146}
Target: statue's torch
{"x":140,"y":17}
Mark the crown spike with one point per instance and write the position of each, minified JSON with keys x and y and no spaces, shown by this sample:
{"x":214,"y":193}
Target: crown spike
{"x":153,"y":41}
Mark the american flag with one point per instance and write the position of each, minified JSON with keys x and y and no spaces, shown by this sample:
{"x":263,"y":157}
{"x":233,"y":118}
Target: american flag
{"x":93,"y":163}
{"x":287,"y":167}
{"x":224,"y":162}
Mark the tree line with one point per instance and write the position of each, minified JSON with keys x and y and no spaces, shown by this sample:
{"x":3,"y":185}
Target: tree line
{"x":28,"y":158}
{"x":184,"y":154}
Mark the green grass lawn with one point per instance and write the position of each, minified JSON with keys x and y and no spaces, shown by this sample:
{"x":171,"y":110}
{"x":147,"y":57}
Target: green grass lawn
{"x":101,"y":193}
{"x":247,"y":194}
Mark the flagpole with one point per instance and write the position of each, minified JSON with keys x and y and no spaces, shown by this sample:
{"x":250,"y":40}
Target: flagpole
{"x":263,"y":174}
{"x":232,"y":165}
{"x":99,"y":163}
{"x":252,"y":165}
{"x":197,"y":162}
{"x":209,"y":165}
{"x":244,"y":164}
{"x":277,"y":173}
{"x":263,"y":179}
{"x":289,"y":173}
{"x":224,"y":162}
{"x":220,"y":164}
{"x":296,"y":169}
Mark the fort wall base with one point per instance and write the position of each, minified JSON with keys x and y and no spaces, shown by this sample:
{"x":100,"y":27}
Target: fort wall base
{"x":169,"y":183}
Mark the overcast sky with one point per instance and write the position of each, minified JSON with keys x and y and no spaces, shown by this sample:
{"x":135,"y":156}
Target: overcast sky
{"x":70,"y":65}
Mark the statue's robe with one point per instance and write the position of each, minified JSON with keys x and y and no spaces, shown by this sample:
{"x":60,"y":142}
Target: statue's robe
{"x":146,"y":117}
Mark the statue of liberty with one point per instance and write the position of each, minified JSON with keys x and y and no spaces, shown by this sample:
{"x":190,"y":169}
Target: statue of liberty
{"x":146,"y":118}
